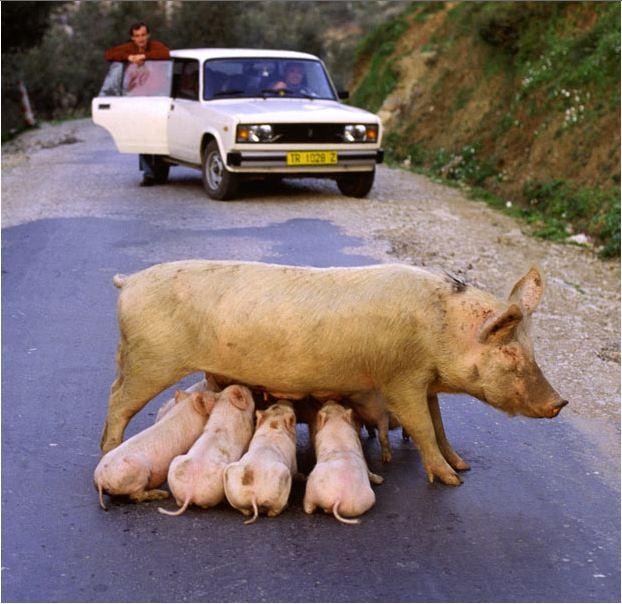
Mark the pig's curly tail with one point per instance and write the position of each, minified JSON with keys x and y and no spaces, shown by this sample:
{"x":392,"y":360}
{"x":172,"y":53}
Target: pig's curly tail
{"x":340,"y":518}
{"x":181,"y":510}
{"x":100,"y":488}
{"x":251,"y":520}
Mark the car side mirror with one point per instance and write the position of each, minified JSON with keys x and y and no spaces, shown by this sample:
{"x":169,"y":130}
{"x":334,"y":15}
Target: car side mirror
{"x":343,"y":94}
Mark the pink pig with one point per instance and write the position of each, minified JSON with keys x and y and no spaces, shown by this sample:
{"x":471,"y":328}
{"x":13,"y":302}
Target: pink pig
{"x":140,"y":464}
{"x":340,"y":481}
{"x":262,"y":479}
{"x":197,"y":477}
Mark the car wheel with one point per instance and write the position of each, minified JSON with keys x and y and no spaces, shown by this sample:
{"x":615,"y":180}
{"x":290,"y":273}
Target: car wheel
{"x":217,"y":180}
{"x":160,"y":170}
{"x":356,"y":184}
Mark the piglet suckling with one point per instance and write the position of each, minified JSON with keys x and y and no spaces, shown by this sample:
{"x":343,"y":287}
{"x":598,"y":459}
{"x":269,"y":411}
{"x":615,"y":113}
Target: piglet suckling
{"x":197,"y":477}
{"x":261,"y":481}
{"x":140,"y":464}
{"x":340,"y":480}
{"x":207,"y":383}
{"x":371,"y":409}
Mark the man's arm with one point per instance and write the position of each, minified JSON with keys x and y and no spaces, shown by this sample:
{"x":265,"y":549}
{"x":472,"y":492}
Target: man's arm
{"x":119,"y":53}
{"x":156,"y":50}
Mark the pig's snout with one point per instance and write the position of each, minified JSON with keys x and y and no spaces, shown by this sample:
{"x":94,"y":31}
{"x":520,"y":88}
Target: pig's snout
{"x":554,"y":410}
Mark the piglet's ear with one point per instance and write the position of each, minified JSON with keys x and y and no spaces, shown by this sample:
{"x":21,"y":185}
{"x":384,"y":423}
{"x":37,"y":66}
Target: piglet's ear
{"x":196,"y":399}
{"x":321,"y":419}
{"x":348,"y":416}
{"x":528,"y":290}
{"x":290,"y":422}
{"x":260,"y":417}
{"x":179,"y":395}
{"x":500,"y":326}
{"x":209,"y":400}
{"x":237,"y":398}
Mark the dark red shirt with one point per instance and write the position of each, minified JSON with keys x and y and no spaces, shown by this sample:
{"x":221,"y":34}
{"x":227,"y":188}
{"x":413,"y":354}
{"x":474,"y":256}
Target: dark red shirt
{"x":155,"y":50}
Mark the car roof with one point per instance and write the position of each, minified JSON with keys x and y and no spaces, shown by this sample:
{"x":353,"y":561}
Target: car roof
{"x":229,"y":53}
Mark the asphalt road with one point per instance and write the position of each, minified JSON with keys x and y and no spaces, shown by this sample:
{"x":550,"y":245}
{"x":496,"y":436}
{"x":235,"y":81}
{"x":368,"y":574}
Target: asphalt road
{"x":531,"y":522}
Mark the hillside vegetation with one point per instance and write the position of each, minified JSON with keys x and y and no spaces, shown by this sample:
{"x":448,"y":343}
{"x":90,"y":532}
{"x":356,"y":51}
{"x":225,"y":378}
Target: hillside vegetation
{"x":517,"y":102}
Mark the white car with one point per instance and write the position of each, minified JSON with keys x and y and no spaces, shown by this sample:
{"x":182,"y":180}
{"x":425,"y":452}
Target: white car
{"x":235,"y":114}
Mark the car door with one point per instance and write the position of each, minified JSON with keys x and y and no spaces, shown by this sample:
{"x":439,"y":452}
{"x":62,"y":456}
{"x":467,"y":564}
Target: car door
{"x":184,"y":133}
{"x":133,"y":106}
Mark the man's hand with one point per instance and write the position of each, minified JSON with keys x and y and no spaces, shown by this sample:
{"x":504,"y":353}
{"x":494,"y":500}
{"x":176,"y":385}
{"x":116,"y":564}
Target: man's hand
{"x":137,"y":59}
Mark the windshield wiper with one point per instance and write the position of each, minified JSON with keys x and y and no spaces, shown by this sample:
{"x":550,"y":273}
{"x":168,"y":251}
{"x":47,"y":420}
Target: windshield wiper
{"x":282,"y":91}
{"x":228,"y":92}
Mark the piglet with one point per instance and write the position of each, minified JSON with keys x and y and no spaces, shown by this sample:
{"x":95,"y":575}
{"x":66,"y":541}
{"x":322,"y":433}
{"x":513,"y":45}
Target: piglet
{"x":340,"y":481}
{"x":262,"y":479}
{"x":140,"y":464}
{"x":198,"y":476}
{"x":370,"y":407}
{"x":207,"y":383}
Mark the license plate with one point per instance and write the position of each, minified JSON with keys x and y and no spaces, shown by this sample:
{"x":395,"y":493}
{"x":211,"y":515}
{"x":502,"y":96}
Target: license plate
{"x":311,"y":158}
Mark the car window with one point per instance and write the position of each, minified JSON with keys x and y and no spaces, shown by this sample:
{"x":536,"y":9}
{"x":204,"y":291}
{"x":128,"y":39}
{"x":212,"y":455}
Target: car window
{"x":239,"y":78}
{"x":186,"y":79}
{"x":152,"y":78}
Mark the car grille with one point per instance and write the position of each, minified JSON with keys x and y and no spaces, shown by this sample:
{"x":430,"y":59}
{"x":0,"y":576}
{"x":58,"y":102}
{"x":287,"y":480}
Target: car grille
{"x":308,"y":133}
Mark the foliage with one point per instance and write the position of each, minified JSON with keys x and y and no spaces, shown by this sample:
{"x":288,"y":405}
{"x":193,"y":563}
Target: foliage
{"x":24,"y":24}
{"x":381,"y":76}
{"x":556,"y":67}
{"x":63,"y":64}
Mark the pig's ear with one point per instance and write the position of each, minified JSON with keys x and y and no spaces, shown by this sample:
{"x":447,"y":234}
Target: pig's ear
{"x":197,"y":402}
{"x":237,"y":398}
{"x":290,"y":422}
{"x":348,"y":416}
{"x":321,"y":419}
{"x":260,"y":417}
{"x":179,"y":395}
{"x":209,"y":400}
{"x":501,"y":325}
{"x":528,"y":290}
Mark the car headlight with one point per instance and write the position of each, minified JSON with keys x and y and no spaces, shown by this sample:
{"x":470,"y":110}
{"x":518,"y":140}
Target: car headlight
{"x":360,"y":133}
{"x":254,"y":133}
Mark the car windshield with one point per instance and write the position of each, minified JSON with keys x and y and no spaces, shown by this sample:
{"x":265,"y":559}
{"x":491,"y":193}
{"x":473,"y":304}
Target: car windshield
{"x":243,"y":78}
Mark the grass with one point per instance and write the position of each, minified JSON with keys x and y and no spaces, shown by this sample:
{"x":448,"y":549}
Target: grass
{"x":558,"y":65}
{"x":381,"y":77}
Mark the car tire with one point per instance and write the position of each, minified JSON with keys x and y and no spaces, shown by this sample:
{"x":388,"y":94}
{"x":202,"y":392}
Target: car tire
{"x":160,"y":171}
{"x":356,"y":184}
{"x":218,"y":182}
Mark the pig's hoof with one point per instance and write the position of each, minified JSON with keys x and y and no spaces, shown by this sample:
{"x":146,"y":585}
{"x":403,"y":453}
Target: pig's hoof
{"x":386,"y":456}
{"x":445,"y":475}
{"x":150,"y":495}
{"x":456,"y":462}
{"x":461,"y":465}
{"x":375,"y":478}
{"x":108,"y":445}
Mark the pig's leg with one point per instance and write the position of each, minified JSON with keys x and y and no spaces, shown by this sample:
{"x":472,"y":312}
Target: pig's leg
{"x":411,"y":407}
{"x":383,"y":437}
{"x":129,"y":393}
{"x":149,"y":495}
{"x":455,"y":461}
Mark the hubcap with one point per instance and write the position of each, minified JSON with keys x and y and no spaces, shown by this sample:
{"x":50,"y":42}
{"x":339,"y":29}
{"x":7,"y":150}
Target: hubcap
{"x":215,"y":170}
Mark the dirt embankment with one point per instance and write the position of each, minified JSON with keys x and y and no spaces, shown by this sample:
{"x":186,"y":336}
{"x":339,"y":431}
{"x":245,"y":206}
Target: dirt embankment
{"x":508,"y":96}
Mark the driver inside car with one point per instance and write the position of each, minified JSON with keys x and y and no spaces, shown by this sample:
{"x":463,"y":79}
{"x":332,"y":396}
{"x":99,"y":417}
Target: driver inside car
{"x":294,"y":80}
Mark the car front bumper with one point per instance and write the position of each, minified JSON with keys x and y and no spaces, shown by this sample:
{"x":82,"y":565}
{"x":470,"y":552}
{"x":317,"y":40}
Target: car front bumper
{"x":276,"y":161}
